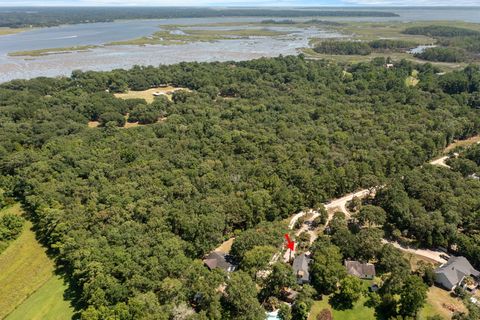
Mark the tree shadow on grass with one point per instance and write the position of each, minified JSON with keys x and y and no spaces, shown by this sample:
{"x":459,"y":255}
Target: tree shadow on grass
{"x":72,"y":291}
{"x":339,"y":303}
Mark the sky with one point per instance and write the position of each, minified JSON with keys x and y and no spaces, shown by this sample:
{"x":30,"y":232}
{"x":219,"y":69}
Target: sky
{"x":239,"y":3}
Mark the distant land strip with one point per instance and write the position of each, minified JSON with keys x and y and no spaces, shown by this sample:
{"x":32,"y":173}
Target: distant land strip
{"x":48,"y":17}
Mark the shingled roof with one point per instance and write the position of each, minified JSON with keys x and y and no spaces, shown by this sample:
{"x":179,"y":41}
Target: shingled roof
{"x":452,"y":273}
{"x":218,"y":260}
{"x":361,"y":270}
{"x":301,"y":269}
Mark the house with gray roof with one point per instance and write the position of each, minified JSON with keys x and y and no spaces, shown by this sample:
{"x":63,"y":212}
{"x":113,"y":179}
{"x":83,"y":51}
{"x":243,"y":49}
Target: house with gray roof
{"x":452,"y":273}
{"x":219,"y":260}
{"x":360,"y":270}
{"x":301,"y":268}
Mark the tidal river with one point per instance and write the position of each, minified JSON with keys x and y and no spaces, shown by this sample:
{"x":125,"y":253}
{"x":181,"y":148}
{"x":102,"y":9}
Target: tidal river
{"x":111,"y":57}
{"x":125,"y":56}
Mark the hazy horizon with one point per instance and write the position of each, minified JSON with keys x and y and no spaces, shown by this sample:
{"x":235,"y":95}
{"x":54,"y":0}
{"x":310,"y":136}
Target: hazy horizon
{"x":240,"y":3}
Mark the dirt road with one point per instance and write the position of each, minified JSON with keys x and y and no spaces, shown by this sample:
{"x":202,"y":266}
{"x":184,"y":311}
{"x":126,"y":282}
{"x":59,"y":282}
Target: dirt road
{"x":440,"y":162}
{"x":430,"y":254}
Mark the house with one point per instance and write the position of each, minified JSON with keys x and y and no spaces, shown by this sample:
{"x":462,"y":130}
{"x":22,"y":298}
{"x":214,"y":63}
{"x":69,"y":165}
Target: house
{"x":289,"y":295}
{"x":360,"y":270}
{"x":219,"y":260}
{"x":452,"y":273}
{"x":301,"y":268}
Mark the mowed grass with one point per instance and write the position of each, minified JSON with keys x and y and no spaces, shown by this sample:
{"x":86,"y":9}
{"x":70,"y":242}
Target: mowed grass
{"x":46,"y":303}
{"x":359,"y":311}
{"x":24,"y":269}
{"x":435,"y":305}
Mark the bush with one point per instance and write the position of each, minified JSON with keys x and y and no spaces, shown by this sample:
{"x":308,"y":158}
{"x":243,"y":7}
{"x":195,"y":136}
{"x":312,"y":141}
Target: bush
{"x":325,"y":314}
{"x":10,"y":227}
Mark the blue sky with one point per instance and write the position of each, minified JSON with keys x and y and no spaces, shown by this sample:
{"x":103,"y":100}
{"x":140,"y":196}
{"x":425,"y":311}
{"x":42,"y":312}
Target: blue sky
{"x":239,"y":3}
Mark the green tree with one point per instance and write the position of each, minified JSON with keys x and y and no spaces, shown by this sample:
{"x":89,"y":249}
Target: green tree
{"x":412,"y":296}
{"x":257,"y":259}
{"x":327,"y":269}
{"x":285,"y":313}
{"x":281,"y":276}
{"x":351,"y":290}
{"x":300,"y":311}
{"x":241,"y":298}
{"x":372,"y":215}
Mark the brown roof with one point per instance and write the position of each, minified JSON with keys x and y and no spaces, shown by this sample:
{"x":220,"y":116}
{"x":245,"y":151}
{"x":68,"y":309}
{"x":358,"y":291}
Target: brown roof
{"x":361,"y":270}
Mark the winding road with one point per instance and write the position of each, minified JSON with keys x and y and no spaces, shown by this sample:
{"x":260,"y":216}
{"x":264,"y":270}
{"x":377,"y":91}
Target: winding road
{"x":341,"y":205}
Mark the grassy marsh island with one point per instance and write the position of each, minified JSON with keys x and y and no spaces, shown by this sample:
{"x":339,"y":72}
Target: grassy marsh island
{"x":48,"y":51}
{"x":7,"y":31}
{"x":178,"y":35}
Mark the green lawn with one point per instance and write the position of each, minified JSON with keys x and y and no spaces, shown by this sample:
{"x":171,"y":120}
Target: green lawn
{"x":27,"y":272}
{"x":433,"y":306}
{"x":47,"y":303}
{"x":359,"y":311}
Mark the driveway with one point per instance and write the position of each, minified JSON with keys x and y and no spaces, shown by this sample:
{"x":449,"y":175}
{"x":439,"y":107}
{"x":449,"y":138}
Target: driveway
{"x":430,"y":254}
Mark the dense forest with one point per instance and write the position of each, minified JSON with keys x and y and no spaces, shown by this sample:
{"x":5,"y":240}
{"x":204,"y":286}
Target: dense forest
{"x":441,"y":31}
{"x":54,"y":16}
{"x":436,"y":207}
{"x":362,"y":48}
{"x":456,"y":44}
{"x":129,"y":212}
{"x":442,"y":54}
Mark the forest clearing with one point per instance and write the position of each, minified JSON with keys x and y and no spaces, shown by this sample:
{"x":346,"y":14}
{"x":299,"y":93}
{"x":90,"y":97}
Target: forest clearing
{"x":150,"y":94}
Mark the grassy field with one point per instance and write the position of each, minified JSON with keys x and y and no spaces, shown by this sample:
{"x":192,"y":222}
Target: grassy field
{"x":7,"y":31}
{"x":49,"y":51}
{"x":147,"y":95}
{"x":46,"y":303}
{"x":25,"y":268}
{"x":436,"y":299}
{"x":396,"y":56}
